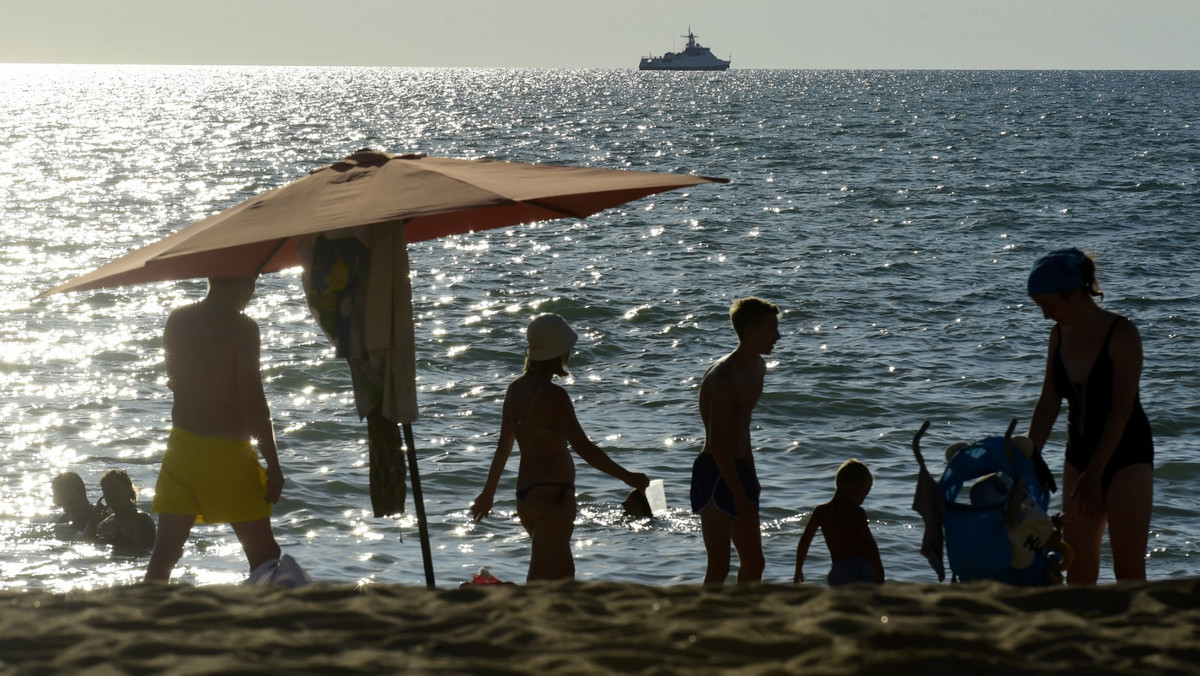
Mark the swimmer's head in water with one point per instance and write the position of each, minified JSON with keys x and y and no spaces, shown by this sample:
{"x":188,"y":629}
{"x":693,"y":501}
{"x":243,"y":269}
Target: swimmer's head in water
{"x":117,"y":486}
{"x":65,"y":485}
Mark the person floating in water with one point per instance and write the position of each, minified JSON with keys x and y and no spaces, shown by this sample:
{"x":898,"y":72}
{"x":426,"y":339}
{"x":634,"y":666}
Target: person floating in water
{"x":725,"y":488}
{"x":1094,"y":360}
{"x":539,"y":416}
{"x":70,"y":495}
{"x":119,"y":522}
{"x":843,"y":523}
{"x":209,"y":471}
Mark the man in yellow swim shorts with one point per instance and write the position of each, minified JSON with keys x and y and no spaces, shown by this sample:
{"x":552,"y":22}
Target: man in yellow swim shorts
{"x":209,"y":471}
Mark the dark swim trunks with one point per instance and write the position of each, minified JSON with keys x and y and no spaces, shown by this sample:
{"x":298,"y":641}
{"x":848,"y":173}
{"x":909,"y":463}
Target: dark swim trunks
{"x":850,"y":571}
{"x":709,"y":487}
{"x":1088,"y":404}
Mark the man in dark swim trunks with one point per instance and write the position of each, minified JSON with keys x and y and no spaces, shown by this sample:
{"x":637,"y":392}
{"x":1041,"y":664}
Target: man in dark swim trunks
{"x":725,"y":488}
{"x":1095,"y":361}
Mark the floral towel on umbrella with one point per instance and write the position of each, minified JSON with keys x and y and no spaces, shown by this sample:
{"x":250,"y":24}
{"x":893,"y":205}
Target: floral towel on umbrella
{"x":336,"y":282}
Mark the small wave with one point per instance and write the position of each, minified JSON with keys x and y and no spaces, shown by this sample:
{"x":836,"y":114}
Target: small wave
{"x":1148,"y":186}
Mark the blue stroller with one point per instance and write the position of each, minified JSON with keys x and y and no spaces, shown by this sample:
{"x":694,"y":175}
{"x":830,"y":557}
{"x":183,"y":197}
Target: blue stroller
{"x":989,"y":512}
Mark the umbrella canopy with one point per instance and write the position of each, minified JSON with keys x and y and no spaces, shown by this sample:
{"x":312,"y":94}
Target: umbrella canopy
{"x":431,"y":196}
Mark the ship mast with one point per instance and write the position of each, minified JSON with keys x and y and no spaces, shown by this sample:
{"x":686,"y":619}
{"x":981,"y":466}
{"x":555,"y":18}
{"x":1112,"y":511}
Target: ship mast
{"x":691,"y":38}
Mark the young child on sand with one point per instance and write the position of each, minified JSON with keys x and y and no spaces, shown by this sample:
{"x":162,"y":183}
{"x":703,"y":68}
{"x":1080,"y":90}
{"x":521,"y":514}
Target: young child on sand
{"x":844,"y":524}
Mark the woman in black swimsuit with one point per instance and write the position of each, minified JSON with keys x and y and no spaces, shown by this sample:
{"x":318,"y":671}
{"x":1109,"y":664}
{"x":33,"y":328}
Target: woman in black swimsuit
{"x":1094,"y":360}
{"x":540,"y":418}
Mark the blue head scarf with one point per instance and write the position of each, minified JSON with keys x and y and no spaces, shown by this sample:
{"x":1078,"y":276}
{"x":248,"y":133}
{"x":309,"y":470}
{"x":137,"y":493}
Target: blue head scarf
{"x":1057,"y":272}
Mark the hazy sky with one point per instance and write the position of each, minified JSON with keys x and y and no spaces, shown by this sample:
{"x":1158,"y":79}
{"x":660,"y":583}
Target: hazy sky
{"x":1134,"y":34}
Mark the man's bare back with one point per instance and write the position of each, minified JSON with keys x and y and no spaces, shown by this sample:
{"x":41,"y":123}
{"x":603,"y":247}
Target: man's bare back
{"x":212,"y":367}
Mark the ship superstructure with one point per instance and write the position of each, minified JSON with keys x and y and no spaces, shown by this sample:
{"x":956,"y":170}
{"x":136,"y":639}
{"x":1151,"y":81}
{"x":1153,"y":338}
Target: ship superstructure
{"x":693,"y":57}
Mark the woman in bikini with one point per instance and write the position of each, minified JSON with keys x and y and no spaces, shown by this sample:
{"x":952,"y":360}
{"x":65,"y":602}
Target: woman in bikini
{"x":1094,"y":360}
{"x":539,"y":416}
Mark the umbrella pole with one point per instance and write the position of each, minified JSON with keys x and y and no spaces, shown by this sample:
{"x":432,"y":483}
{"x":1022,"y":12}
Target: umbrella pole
{"x":419,"y":502}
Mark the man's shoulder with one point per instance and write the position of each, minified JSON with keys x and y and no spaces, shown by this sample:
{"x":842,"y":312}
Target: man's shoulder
{"x":196,"y":315}
{"x":181,"y":313}
{"x":718,"y":379}
{"x":721,"y":368}
{"x":731,"y":368}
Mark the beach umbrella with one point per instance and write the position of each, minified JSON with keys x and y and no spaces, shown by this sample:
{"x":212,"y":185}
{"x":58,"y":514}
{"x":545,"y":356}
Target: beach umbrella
{"x":382,"y":202}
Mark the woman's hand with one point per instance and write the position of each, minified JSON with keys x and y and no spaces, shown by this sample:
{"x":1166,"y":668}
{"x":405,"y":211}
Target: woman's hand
{"x":107,"y":528}
{"x":1088,"y":495}
{"x":482,"y":505}
{"x":637,"y":480}
{"x":99,"y":513}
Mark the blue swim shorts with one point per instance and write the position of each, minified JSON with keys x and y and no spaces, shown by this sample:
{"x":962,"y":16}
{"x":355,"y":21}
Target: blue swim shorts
{"x":709,"y":487}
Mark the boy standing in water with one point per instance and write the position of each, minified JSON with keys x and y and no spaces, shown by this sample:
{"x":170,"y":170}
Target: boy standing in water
{"x":210,"y":470}
{"x":844,"y":524}
{"x":725,"y":489}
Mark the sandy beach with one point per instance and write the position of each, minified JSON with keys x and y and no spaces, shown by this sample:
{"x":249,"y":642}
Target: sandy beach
{"x":589,"y":628}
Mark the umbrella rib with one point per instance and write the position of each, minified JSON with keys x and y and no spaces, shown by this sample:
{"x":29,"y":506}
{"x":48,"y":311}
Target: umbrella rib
{"x":275,"y":250}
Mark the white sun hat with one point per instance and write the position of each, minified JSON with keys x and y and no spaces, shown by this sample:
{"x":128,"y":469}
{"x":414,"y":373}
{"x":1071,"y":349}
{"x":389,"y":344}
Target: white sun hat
{"x":549,"y":337}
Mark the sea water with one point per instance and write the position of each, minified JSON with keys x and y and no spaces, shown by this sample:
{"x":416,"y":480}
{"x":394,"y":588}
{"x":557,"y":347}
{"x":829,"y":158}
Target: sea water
{"x":893,"y":216}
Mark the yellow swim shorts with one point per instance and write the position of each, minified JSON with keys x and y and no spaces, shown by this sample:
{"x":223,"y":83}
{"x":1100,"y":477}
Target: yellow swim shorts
{"x":218,"y":480}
